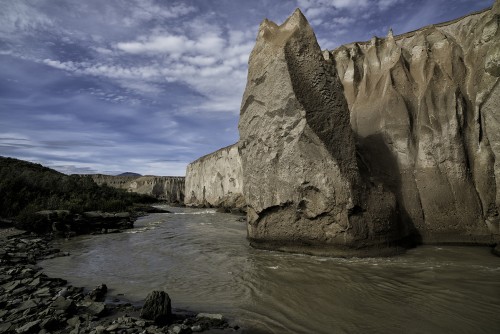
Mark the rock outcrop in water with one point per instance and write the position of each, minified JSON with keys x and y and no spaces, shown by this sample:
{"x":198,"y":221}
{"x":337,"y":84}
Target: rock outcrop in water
{"x":300,"y":176}
{"x":423,"y":142}
{"x":167,"y":188}
{"x":215,"y":180}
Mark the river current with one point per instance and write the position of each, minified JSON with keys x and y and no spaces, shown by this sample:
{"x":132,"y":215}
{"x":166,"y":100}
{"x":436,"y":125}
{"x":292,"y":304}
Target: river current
{"x":202,"y":259}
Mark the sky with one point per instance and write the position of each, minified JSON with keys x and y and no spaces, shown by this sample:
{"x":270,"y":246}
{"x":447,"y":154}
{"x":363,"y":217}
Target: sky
{"x":147,"y":86}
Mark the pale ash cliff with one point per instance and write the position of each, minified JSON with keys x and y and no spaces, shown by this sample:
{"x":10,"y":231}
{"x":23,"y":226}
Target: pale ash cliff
{"x":301,"y":181}
{"x":425,"y":110}
{"x":215,"y":180}
{"x":166,"y":188}
{"x":348,"y":151}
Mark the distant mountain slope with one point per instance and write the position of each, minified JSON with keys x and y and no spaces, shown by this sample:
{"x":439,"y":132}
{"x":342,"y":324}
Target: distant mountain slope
{"x":26,"y":187}
{"x":129,"y":174}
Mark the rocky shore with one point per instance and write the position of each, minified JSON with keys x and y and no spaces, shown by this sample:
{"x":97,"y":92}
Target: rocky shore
{"x":32,"y":302}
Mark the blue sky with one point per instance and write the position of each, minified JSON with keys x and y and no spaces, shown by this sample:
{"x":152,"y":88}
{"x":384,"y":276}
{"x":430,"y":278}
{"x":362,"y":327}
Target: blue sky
{"x":148,"y":86}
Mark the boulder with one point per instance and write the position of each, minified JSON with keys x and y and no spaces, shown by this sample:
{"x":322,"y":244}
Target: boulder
{"x":301,"y":182}
{"x":98,"y":294}
{"x":95,"y":308}
{"x":30,"y":327}
{"x":63,"y":304}
{"x":157,"y":307}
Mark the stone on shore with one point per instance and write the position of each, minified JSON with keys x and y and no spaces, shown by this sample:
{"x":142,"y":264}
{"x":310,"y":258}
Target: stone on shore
{"x":99,"y":293}
{"x":31,"y":302}
{"x":157,"y":307}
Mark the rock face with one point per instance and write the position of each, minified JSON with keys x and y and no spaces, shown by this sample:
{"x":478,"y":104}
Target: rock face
{"x":425,"y":108}
{"x":420,"y":139}
{"x":301,"y":182}
{"x":215,"y":180}
{"x":167,"y":188}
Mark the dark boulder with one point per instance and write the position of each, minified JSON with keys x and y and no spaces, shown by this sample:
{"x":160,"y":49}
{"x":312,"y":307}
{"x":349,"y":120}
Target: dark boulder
{"x":99,"y":293}
{"x":157,"y":307}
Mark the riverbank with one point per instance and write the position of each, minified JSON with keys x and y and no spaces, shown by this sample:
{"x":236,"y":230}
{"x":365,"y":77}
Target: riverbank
{"x":32,"y":302}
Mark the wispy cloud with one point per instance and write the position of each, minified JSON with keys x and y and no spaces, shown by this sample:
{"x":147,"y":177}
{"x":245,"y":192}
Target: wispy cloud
{"x":150,"y":85}
{"x":21,"y":17}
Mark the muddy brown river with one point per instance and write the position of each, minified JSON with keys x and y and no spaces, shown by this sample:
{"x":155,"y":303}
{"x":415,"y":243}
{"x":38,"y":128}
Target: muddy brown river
{"x":202,"y":259}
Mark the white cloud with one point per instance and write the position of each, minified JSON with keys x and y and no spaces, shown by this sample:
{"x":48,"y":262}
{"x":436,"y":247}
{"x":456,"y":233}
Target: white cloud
{"x":148,"y":10}
{"x":386,"y":4}
{"x":157,"y":44}
{"x":200,"y":60}
{"x":140,"y":11}
{"x":176,"y":45}
{"x":315,"y":9}
{"x":212,"y":63}
{"x":343,"y":20}
{"x":67,"y":66}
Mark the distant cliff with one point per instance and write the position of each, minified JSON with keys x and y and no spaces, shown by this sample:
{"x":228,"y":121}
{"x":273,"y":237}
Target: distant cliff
{"x":372,"y":143}
{"x":166,"y":188}
{"x":215,"y":180}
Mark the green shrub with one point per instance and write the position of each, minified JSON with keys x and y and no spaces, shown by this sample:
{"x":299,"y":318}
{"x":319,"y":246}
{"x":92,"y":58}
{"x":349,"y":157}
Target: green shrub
{"x":26,"y":188}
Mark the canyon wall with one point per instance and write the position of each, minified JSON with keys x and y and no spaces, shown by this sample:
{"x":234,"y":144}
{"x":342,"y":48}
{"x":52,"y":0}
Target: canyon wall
{"x":215,"y":180}
{"x":166,"y":188}
{"x":425,"y":110}
{"x":373,"y":142}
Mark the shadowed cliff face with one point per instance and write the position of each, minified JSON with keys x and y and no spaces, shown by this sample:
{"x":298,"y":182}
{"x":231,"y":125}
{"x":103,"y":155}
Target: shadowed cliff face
{"x":425,"y":110}
{"x":300,"y":177}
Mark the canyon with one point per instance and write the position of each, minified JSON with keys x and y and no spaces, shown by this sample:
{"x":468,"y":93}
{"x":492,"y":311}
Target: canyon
{"x":354,"y":150}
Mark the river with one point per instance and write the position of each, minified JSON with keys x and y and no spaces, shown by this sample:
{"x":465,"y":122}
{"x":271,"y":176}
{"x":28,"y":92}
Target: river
{"x":202,"y":259}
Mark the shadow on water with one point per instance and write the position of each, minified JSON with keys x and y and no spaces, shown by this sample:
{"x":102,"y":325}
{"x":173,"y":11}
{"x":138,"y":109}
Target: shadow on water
{"x":378,"y":164}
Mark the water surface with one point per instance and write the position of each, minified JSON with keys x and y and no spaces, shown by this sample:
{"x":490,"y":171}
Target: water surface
{"x":202,"y":259}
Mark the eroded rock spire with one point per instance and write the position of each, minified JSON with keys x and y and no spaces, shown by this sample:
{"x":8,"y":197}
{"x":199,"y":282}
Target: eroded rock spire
{"x":301,"y":181}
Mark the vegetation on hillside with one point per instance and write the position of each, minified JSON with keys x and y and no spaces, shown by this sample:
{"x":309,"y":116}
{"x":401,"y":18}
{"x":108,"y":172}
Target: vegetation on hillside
{"x":26,"y":188}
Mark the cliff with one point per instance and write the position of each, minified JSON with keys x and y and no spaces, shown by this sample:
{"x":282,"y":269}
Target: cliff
{"x":302,"y":185}
{"x":215,"y":180}
{"x":353,"y":150}
{"x":425,"y":110}
{"x":166,"y":188}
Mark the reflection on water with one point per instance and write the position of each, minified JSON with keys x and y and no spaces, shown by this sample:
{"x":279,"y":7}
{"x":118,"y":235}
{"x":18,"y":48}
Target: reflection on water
{"x":202,"y":259}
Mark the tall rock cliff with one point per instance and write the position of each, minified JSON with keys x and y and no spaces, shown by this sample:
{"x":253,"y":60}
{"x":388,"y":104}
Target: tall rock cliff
{"x":301,"y":181}
{"x":420,"y":139}
{"x":425,"y":108}
{"x":215,"y":180}
{"x":166,"y":188}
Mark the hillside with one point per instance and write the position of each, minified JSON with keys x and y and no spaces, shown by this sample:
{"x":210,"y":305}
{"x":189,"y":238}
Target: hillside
{"x":26,"y":188}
